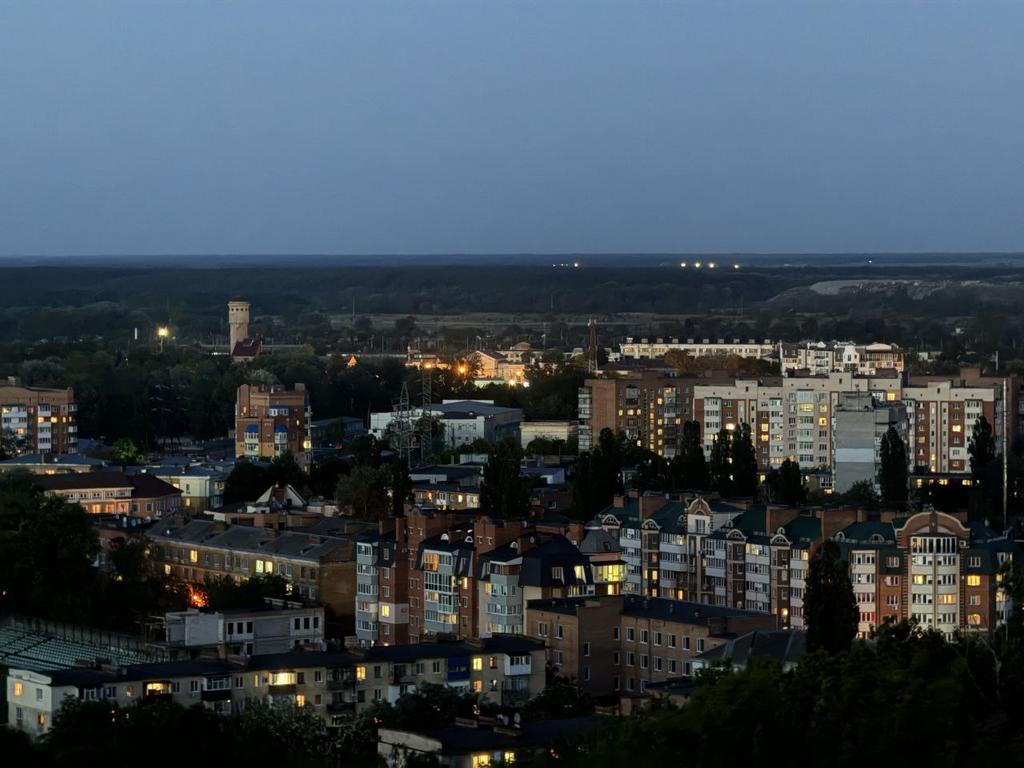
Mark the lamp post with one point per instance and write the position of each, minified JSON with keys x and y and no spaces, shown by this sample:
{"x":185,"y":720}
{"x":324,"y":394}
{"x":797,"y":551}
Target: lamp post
{"x":162,"y":333}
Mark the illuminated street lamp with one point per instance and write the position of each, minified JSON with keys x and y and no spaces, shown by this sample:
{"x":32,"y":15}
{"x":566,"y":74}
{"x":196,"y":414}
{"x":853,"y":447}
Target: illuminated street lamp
{"x":162,"y":333}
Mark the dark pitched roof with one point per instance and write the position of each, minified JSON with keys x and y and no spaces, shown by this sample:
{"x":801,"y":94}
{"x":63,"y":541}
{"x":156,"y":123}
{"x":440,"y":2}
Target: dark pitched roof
{"x":786,"y":646}
{"x":679,"y":610}
{"x":142,"y":485}
{"x":539,"y":564}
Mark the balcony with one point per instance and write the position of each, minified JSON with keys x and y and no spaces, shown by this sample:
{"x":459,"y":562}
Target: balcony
{"x":219,"y":694}
{"x":284,"y":689}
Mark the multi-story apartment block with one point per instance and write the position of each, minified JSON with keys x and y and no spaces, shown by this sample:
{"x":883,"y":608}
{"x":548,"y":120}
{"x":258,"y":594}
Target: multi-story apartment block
{"x":931,"y":568}
{"x":942,"y":414}
{"x":37,"y":420}
{"x":788,"y":417}
{"x":505,"y":671}
{"x":535,"y":567}
{"x":794,"y":417}
{"x":270,"y":420}
{"x":656,"y":349}
{"x":648,"y":406}
{"x":858,"y":426}
{"x":202,"y":489}
{"x":432,"y":573}
{"x":275,"y":627}
{"x":115,"y":493}
{"x":621,"y":644}
{"x":317,"y":568}
{"x":821,"y":358}
{"x":463,"y":421}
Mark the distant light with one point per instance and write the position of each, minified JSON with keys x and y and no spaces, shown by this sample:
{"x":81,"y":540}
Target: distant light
{"x":575,"y":263}
{"x":711,"y":265}
{"x":163,"y":332}
{"x":735,"y":266}
{"x":682,"y":264}
{"x":696,"y":265}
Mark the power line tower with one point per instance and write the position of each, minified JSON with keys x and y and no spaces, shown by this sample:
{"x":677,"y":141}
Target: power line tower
{"x":592,"y":349}
{"x":402,"y":426}
{"x":426,"y":425}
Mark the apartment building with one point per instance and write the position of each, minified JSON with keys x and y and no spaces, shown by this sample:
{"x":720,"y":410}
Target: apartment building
{"x":435,"y":572}
{"x":202,"y":488}
{"x":794,"y":417}
{"x":272,"y":419}
{"x":316,"y":567}
{"x":463,"y":421}
{"x":504,"y":671}
{"x":51,"y":463}
{"x":277,"y":626}
{"x":821,"y":358}
{"x":39,"y":420}
{"x":929,"y":567}
{"x":500,"y":367}
{"x":858,"y":425}
{"x":656,"y":349}
{"x":115,"y":493}
{"x":534,"y":567}
{"x":942,"y":414}
{"x":621,"y":644}
{"x":788,"y":417}
{"x":648,"y":406}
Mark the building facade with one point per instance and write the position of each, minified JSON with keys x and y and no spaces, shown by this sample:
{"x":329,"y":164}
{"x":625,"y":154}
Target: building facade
{"x":38,"y":420}
{"x":271,"y":420}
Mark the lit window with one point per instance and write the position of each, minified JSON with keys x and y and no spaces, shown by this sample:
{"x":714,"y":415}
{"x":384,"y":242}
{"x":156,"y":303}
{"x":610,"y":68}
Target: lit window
{"x":478,"y":663}
{"x":300,"y":700}
{"x":385,"y":611}
{"x":19,"y":689}
{"x":193,"y":556}
{"x":360,"y":673}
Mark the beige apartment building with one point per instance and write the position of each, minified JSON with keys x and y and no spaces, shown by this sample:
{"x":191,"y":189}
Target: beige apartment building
{"x":39,"y":420}
{"x":270,"y":420}
{"x":505,"y":671}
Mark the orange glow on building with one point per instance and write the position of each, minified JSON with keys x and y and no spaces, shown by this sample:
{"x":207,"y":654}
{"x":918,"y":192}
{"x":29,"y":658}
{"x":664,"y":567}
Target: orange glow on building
{"x":197,"y":598}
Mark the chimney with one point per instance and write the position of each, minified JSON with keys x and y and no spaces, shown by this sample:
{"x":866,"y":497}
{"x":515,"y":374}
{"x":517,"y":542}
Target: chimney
{"x":619,"y":501}
{"x":650,"y":503}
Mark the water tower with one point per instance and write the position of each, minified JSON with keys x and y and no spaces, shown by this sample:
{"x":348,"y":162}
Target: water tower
{"x":238,"y":321}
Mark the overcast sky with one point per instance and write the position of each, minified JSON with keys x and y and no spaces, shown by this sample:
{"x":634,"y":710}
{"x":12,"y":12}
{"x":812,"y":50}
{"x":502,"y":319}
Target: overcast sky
{"x":145,"y":127}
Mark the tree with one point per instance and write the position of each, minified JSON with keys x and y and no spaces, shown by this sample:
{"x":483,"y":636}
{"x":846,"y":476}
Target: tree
{"x":127,"y":452}
{"x":720,"y":465}
{"x":503,"y":492}
{"x":247,"y":482}
{"x":787,"y":485}
{"x":982,"y":448}
{"x":365,"y":491}
{"x":399,"y":487}
{"x":830,"y":608}
{"x":744,"y":462}
{"x":892,"y":468}
{"x":693,"y":465}
{"x":862,"y":493}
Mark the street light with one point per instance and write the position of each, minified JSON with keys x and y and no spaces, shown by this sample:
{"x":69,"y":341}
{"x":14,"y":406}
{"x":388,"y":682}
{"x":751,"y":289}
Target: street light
{"x":162,"y":333}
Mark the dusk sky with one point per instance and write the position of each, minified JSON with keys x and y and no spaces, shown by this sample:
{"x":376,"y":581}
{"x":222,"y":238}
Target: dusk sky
{"x":143,"y":127}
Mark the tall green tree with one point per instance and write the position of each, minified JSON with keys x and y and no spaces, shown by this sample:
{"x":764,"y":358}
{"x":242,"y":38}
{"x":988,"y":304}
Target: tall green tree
{"x":892,"y":469}
{"x":830,"y":609}
{"x":721,"y":463}
{"x":693,"y":469}
{"x":364,"y":490}
{"x":787,"y":485}
{"x":503,"y":491}
{"x":981,"y":448}
{"x":744,"y":462}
